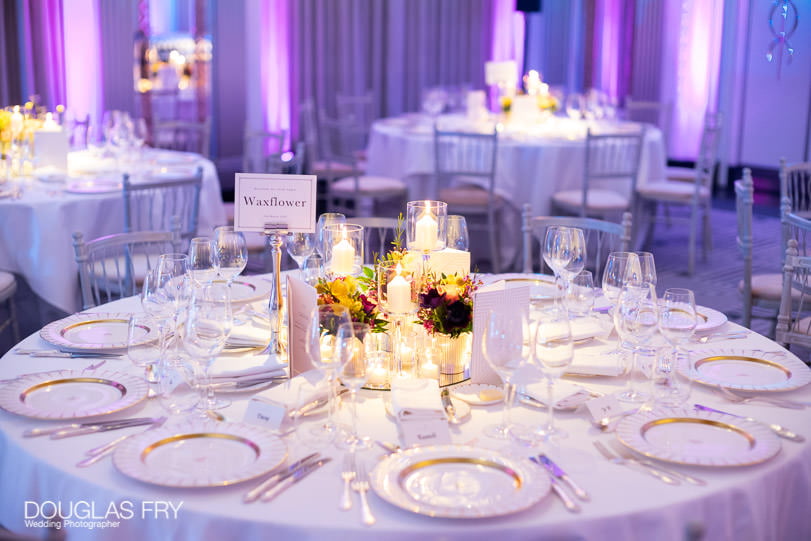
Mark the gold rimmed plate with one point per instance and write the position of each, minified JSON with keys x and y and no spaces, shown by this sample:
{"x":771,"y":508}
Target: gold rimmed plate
{"x":458,"y":481}
{"x":749,"y":371}
{"x":246,"y":291}
{"x":709,"y":319}
{"x":95,"y":332}
{"x":541,"y":286}
{"x":698,"y":438}
{"x":72,"y":394}
{"x":200,"y":453}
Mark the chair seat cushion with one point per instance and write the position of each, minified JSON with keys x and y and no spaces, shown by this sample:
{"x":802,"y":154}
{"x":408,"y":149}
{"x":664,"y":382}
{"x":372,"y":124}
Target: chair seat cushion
{"x":671,"y":191}
{"x":468,"y":196}
{"x":596,"y":199}
{"x":369,"y":185}
{"x":8,"y":285}
{"x":803,"y":326}
{"x":766,"y":286}
{"x":680,"y":174}
{"x":331,"y":169}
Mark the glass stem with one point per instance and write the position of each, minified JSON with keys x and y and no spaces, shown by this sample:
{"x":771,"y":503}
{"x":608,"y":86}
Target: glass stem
{"x":332,"y":398}
{"x":509,"y":400}
{"x":550,"y":409}
{"x":211,"y":400}
{"x":355,"y":436}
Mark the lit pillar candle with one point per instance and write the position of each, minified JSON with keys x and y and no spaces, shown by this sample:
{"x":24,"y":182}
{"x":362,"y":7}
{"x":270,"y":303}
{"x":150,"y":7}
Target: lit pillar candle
{"x":50,"y":124}
{"x":429,"y":370}
{"x":377,"y":376}
{"x":398,"y":294}
{"x":343,"y":258}
{"x":16,"y":122}
{"x":426,"y":232}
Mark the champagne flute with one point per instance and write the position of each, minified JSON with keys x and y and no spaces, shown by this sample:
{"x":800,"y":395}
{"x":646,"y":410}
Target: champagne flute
{"x":201,"y":260}
{"x":230,"y":252}
{"x":300,"y":246}
{"x":208,"y":324}
{"x":552,"y":350}
{"x":143,"y":354}
{"x":327,"y":218}
{"x":320,"y":342}
{"x":350,"y":356}
{"x":635,"y":320}
{"x":503,"y":347}
{"x":677,"y":322}
{"x":173,"y":280}
{"x":458,"y":237}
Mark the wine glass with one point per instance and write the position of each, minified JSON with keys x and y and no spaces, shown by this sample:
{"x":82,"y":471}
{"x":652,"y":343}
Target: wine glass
{"x":552,"y":253}
{"x":300,"y":246}
{"x":677,"y":322}
{"x":201,"y":260}
{"x":458,"y":237}
{"x":208,"y":324}
{"x":350,"y":357}
{"x":434,"y":101}
{"x":574,"y":106}
{"x":143,"y":353}
{"x":175,"y":386}
{"x":322,"y":331}
{"x":573,"y":248}
{"x":327,"y":218}
{"x":580,"y":295}
{"x":552,"y":350}
{"x":172,"y":279}
{"x":635,"y":320}
{"x":614,"y":275}
{"x":647,"y":268}
{"x":503,"y":346}
{"x":313,"y":269}
{"x":230,"y":252}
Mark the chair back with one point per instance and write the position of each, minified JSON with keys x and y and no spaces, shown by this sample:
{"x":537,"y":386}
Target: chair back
{"x":795,"y":187}
{"x":602,"y":237}
{"x":114,"y":266}
{"x":342,"y":140}
{"x":466,"y":156}
{"x":150,"y":206}
{"x":794,"y":316}
{"x":707,"y":152}
{"x":357,"y":110}
{"x":744,"y":199}
{"x":308,"y":131}
{"x":658,"y":113}
{"x":262,"y":151}
{"x":183,"y":136}
{"x":612,"y":161}
{"x":378,"y":233}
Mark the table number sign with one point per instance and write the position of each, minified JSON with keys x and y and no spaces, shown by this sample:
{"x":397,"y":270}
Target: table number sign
{"x":283,"y":202}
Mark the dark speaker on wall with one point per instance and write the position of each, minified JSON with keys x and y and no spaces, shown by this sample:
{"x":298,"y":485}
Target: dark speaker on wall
{"x":528,"y":6}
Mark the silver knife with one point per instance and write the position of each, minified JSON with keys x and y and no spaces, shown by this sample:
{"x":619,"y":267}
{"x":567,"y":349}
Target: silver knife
{"x":570,"y":505}
{"x":556,"y":470}
{"x":314,"y":405}
{"x":780,"y":430}
{"x":68,"y":354}
{"x":253,"y":494}
{"x":100,"y":428}
{"x":46,"y":430}
{"x":241,"y":383}
{"x":450,"y":409}
{"x":294,"y":478}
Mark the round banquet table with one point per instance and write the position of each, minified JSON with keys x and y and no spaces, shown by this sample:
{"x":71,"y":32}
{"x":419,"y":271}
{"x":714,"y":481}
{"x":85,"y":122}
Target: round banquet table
{"x":36,"y":229}
{"x":768,"y":501}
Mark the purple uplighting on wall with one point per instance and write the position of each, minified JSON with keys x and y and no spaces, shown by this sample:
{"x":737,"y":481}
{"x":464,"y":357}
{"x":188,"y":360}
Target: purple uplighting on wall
{"x":275,"y":64}
{"x":83,"y":59}
{"x":508,"y":33}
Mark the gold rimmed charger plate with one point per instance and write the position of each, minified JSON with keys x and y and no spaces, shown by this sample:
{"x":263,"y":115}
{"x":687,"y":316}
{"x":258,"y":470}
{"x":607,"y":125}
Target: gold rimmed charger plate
{"x":698,"y":438}
{"x":749,"y":371}
{"x":200,"y":453}
{"x":247,"y":291}
{"x":72,"y":394}
{"x":94,"y":332}
{"x":458,"y":481}
{"x":541,"y":286}
{"x":709,"y":319}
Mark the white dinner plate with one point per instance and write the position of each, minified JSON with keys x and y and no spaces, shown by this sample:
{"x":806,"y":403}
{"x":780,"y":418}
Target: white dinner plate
{"x":749,"y":370}
{"x":478,"y":394}
{"x":458,"y":481}
{"x":541,"y":286}
{"x":698,"y":438}
{"x":93,"y":185}
{"x":244,"y":290}
{"x":94,"y":332}
{"x":72,"y":394}
{"x":709,"y":319}
{"x":200,"y":453}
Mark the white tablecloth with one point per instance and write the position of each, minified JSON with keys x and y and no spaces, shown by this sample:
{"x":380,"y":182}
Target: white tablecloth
{"x":765,"y":502}
{"x":36,"y":230}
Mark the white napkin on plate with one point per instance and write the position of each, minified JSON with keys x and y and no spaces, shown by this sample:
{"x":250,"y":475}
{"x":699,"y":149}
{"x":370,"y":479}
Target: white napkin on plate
{"x":416,"y":400}
{"x":248,"y":336}
{"x":595,"y":361}
{"x":590,"y":327}
{"x":233,"y":368}
{"x":566,"y":395}
{"x":298,"y":391}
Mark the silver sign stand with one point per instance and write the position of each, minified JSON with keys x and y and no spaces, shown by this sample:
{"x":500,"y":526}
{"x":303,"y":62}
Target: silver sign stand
{"x":274,"y":234}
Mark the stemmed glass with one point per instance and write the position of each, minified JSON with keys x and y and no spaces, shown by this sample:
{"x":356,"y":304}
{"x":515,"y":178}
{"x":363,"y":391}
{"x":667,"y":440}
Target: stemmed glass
{"x":503,"y":345}
{"x":350,"y":354}
{"x":677,"y":322}
{"x":300,"y":246}
{"x":230,"y":252}
{"x":322,"y":331}
{"x":327,"y":218}
{"x":552,"y":350}
{"x":580,"y":295}
{"x":458,"y":237}
{"x":208,"y":324}
{"x":172,"y":279}
{"x":143,"y":354}
{"x":574,"y":106}
{"x":647,"y":268}
{"x":635,"y":320}
{"x":201,"y":260}
{"x":573,"y":250}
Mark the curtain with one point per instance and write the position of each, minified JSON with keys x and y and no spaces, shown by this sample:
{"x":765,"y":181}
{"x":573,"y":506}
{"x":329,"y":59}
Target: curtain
{"x":41,"y":68}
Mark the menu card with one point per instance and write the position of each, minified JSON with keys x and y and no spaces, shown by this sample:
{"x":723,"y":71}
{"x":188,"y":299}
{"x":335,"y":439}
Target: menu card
{"x":51,"y":149}
{"x":301,"y":300}
{"x":496,"y":297}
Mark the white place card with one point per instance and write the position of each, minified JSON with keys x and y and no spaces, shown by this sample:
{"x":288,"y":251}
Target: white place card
{"x":270,"y":408}
{"x":604,"y":407}
{"x":51,"y":149}
{"x":301,"y":300}
{"x":285,"y":202}
{"x":496,"y":296}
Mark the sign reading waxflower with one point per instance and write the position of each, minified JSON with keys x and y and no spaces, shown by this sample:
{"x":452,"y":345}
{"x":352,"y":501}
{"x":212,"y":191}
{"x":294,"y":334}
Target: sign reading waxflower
{"x":282,"y":202}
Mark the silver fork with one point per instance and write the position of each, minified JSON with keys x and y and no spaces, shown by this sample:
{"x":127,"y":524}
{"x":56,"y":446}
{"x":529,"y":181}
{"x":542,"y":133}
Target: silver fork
{"x":348,"y":474}
{"x":626,"y":454}
{"x":611,"y":457}
{"x":732,"y":396}
{"x":732,"y":335}
{"x":361,"y":486}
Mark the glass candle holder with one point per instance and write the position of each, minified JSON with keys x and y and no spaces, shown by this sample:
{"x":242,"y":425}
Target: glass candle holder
{"x":396,"y":288}
{"x":426,"y":225}
{"x":343,"y":250}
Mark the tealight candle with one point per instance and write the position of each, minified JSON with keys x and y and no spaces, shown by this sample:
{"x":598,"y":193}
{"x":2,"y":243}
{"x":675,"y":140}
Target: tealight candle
{"x":429,"y":370}
{"x":343,"y":258}
{"x":426,"y":232}
{"x":377,"y":377}
{"x":398,"y":294}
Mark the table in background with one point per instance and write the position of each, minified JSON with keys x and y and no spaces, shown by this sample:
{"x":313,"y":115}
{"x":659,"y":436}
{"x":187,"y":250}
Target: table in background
{"x":36,"y":229}
{"x":769,"y":501}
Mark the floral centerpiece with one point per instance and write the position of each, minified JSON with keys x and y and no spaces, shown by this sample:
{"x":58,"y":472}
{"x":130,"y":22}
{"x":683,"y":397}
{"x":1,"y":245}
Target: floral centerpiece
{"x":359,"y":300}
{"x":446,"y":304}
{"x":5,"y":131}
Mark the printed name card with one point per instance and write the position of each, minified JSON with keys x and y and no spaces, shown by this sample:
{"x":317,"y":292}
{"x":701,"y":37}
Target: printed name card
{"x":51,"y":149}
{"x":301,"y":300}
{"x":285,"y":202}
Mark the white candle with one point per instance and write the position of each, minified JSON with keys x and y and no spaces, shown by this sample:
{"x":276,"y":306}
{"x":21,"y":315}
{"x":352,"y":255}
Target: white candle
{"x":426,"y":232}
{"x":429,"y":370}
{"x":16,"y":122}
{"x":377,"y":376}
{"x":49,"y":124}
{"x":343,"y":258}
{"x":398,"y":294}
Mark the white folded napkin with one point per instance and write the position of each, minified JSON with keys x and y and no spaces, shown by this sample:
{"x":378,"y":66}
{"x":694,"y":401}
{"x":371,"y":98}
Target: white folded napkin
{"x":298,"y":391}
{"x":416,"y":400}
{"x":248,"y":336}
{"x":595,"y":361}
{"x":565,"y":395}
{"x":233,"y":368}
{"x":590,"y":327}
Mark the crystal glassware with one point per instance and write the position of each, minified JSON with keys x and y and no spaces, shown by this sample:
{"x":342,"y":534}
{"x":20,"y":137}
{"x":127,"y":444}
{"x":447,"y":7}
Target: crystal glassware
{"x":552,"y":350}
{"x":350,"y":354}
{"x":230,"y":252}
{"x":458,"y":236}
{"x":677,"y":322}
{"x":580,"y":295}
{"x":636,"y":321}
{"x":325,"y":219}
{"x":143,"y":354}
{"x":300,"y":246}
{"x":201,"y":260}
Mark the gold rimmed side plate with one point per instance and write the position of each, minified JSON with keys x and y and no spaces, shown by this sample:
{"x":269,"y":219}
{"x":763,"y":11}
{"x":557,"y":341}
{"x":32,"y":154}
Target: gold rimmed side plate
{"x":709,"y":319}
{"x":71,"y":394}
{"x":200,"y":453}
{"x":741,"y":370}
{"x":94,"y":332}
{"x":244,"y":291}
{"x":698,"y":438}
{"x":457,"y":481}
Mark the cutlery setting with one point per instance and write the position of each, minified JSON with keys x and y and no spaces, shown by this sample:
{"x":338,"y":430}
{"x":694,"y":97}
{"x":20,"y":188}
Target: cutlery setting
{"x":261,"y":490}
{"x":780,"y":430}
{"x":739,"y":398}
{"x":65,"y":354}
{"x":97,"y":453}
{"x":559,"y":478}
{"x":635,"y":464}
{"x":732,"y":335}
{"x":90,"y":427}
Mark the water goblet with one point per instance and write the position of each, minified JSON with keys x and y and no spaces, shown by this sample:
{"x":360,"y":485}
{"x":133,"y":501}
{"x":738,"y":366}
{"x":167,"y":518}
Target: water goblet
{"x":580,"y":295}
{"x":300,"y":246}
{"x":201,"y":260}
{"x":458,"y":237}
{"x":635,"y":320}
{"x":230,"y":252}
{"x":677,"y":322}
{"x":350,"y":356}
{"x":552,"y":350}
{"x":313,"y":269}
{"x":176,"y":386}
